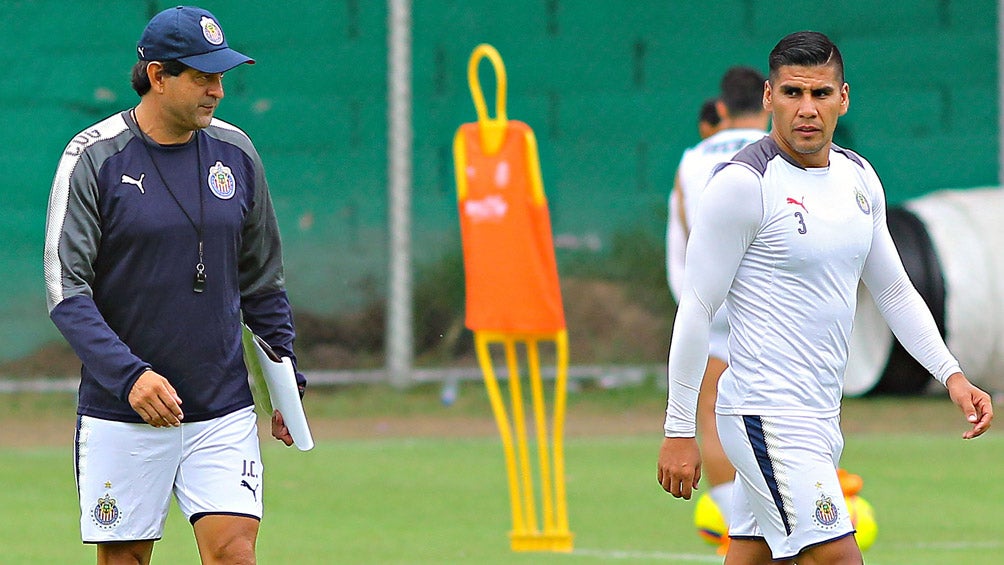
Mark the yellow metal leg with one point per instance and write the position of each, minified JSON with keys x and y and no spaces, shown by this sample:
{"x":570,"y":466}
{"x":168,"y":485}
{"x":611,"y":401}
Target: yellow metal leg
{"x":525,"y":535}
{"x":540,"y":423}
{"x":560,"y":395}
{"x":519,"y":425}
{"x":505,"y":431}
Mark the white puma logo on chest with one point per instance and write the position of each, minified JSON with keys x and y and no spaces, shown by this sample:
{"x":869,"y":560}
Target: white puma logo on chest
{"x":126,"y":179}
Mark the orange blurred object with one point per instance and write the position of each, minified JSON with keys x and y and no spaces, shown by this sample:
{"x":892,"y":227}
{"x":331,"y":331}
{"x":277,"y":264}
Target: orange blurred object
{"x":850,"y":483}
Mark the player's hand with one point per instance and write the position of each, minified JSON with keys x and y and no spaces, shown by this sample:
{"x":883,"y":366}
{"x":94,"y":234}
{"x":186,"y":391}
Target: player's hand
{"x":973,"y":402}
{"x":156,"y":401}
{"x":679,"y":466}
{"x":279,"y":429}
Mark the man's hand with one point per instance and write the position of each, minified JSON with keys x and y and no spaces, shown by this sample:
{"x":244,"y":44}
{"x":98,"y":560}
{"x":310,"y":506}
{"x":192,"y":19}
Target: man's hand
{"x":156,"y":401}
{"x":679,"y":466}
{"x":279,"y":429}
{"x":973,"y":402}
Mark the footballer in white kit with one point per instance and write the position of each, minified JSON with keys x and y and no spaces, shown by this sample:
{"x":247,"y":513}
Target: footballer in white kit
{"x":783,"y":234}
{"x":786,"y":261}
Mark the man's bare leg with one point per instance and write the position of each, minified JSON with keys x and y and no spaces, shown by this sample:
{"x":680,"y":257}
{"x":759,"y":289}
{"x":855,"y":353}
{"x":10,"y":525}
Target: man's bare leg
{"x":226,"y":540}
{"x":125,"y":553}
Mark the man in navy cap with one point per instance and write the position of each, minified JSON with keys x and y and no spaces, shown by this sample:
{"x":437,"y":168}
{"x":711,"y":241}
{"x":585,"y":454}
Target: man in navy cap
{"x":160,"y":237}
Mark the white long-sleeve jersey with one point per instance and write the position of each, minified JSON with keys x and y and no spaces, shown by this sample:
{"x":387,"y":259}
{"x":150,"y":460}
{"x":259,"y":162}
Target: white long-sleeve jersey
{"x":784,"y":247}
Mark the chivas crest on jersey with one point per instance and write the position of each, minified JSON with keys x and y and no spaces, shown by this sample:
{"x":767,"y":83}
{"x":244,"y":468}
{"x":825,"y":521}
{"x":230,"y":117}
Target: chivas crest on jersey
{"x":221,"y":181}
{"x":863,"y":203}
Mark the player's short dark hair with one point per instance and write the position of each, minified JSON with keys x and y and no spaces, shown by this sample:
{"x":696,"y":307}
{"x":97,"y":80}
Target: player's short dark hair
{"x":141,"y":82}
{"x":709,"y":113}
{"x":806,"y":49}
{"x":742,"y":91}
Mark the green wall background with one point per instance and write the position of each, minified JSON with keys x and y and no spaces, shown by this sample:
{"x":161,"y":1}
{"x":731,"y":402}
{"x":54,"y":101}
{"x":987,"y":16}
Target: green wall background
{"x":611,"y":88}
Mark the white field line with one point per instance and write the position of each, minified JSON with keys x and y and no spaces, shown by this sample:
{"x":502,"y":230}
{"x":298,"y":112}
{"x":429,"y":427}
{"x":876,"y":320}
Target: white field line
{"x":625,"y":555}
{"x":948,"y":545}
{"x":634,"y":555}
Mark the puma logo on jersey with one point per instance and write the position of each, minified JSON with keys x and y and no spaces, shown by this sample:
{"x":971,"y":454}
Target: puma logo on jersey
{"x":254,"y":491}
{"x":797,"y":203}
{"x":126,"y":179}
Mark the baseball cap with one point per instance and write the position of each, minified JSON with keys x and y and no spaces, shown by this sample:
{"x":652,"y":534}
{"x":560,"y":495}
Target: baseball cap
{"x":191,"y":36}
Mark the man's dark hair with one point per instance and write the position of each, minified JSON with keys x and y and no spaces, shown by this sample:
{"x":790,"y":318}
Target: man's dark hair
{"x":709,"y":114}
{"x":806,"y":49}
{"x":141,"y":82}
{"x":742,"y":91}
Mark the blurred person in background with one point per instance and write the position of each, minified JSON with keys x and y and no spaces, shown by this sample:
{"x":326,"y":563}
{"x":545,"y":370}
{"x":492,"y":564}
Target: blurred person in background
{"x":785,"y":231}
{"x":708,"y":119}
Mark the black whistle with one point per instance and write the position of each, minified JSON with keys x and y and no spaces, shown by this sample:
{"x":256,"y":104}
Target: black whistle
{"x":200,"y":281}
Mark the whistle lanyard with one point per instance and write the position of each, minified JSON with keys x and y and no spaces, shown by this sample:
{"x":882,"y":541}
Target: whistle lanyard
{"x":200,"y":268}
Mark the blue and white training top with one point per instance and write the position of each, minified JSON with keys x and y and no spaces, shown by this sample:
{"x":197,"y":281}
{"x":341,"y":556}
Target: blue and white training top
{"x":120,"y":262}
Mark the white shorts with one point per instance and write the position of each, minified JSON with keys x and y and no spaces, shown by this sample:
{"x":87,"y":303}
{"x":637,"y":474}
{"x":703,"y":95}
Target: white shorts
{"x":786,"y":470}
{"x":126,"y":474}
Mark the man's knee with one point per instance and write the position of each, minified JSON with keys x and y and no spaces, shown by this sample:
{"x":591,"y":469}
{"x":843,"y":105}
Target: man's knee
{"x":236,"y":550}
{"x":226,"y":540}
{"x":124,"y":553}
{"x":843,"y":551}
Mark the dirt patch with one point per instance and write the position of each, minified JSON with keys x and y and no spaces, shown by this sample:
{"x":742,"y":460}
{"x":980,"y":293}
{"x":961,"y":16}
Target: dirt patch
{"x":57,"y":430}
{"x":54,"y":359}
{"x":605,"y":325}
{"x":472,"y":426}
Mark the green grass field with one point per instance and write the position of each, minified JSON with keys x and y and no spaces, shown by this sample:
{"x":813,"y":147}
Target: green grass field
{"x":430,"y":500}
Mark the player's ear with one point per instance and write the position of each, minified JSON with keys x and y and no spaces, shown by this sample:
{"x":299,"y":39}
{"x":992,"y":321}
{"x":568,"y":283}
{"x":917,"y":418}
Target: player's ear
{"x":155,"y":72}
{"x":845,"y":98}
{"x":767,"y":96}
{"x":721,"y":110}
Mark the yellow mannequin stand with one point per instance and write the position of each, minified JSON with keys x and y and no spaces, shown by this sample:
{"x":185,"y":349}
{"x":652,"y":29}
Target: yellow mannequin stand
{"x":526,"y":534}
{"x":513,"y":297}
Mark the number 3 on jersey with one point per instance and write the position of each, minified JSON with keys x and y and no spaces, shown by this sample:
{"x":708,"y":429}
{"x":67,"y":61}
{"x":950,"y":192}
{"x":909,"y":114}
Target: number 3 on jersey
{"x":801,"y":223}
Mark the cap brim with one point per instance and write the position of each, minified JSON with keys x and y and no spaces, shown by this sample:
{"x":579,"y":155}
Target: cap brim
{"x":219,"y":61}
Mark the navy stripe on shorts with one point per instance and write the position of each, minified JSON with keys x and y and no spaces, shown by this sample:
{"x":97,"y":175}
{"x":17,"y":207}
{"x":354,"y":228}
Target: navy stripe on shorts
{"x":754,"y":431}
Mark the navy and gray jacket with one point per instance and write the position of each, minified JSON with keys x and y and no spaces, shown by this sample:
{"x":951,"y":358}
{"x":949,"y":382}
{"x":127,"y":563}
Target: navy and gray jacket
{"x":121,"y":250}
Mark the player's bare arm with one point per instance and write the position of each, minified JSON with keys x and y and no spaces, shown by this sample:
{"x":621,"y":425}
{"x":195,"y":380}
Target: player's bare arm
{"x":156,"y":401}
{"x":974,"y":403}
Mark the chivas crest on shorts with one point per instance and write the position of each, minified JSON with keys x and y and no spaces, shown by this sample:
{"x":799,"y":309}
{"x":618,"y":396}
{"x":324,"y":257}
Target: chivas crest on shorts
{"x":826,"y":514}
{"x":106,"y":513}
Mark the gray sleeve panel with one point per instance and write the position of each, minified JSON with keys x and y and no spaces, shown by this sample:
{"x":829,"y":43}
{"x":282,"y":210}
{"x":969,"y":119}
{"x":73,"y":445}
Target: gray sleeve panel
{"x":73,"y":223}
{"x":260,"y":263}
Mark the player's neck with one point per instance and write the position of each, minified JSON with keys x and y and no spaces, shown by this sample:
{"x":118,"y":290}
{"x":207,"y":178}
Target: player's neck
{"x":754,"y":121}
{"x":150,"y":120}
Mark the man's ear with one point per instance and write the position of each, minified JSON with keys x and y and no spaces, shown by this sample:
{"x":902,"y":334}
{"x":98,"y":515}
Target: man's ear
{"x":155,"y":73}
{"x":721,"y":110}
